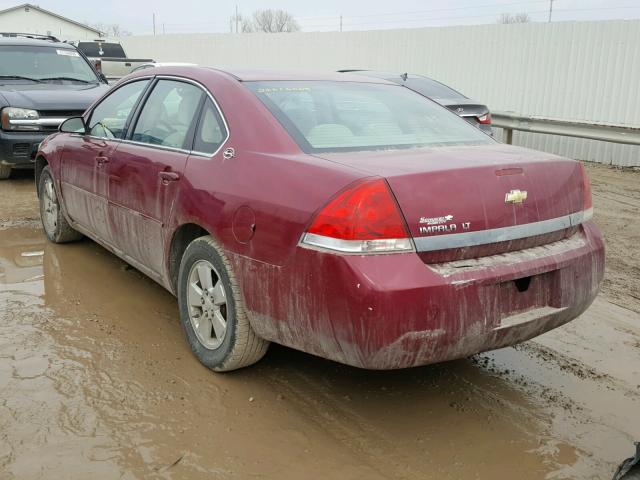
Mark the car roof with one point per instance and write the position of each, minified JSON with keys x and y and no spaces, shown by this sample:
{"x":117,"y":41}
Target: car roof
{"x":22,"y":41}
{"x":395,"y":77}
{"x":255,"y":75}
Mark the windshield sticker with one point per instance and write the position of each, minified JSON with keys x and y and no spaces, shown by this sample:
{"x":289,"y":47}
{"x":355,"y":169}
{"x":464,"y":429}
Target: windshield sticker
{"x":68,"y":53}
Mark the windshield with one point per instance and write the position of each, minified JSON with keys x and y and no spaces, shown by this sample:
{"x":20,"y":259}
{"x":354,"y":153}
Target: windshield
{"x":44,"y":63}
{"x":349,"y":116}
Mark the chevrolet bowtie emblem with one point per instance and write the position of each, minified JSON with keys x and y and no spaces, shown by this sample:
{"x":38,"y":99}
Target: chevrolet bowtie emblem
{"x":515,"y":196}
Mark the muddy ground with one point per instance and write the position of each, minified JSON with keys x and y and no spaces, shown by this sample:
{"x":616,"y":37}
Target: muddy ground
{"x":96,"y":381}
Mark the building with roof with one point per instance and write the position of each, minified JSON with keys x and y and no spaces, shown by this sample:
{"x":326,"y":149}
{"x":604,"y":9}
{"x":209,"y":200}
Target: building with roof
{"x":27,"y":18}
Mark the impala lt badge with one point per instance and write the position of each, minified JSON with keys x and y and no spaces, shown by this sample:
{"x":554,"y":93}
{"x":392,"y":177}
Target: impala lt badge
{"x":440,"y":225}
{"x":515,"y":196}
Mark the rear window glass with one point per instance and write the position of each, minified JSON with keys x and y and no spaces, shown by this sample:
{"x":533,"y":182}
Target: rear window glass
{"x":431,"y":88}
{"x":97,"y":49}
{"x":350,"y":116}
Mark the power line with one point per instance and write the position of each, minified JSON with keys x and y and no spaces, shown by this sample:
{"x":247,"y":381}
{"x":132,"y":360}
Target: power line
{"x":414,"y":12}
{"x":461,"y":17}
{"x":417,"y":16}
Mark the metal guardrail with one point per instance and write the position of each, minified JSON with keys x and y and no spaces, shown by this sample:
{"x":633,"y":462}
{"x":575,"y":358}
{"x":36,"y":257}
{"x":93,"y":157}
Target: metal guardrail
{"x":510,"y":121}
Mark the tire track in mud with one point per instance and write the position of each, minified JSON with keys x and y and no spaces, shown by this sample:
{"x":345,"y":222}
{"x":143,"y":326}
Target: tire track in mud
{"x":348,"y":427}
{"x":564,"y":363}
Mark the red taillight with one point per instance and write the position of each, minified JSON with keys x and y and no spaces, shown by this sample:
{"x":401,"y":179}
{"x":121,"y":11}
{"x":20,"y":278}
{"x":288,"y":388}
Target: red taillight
{"x":485,"y":119}
{"x":364,"y":218}
{"x":98,"y":65}
{"x":587,"y":203}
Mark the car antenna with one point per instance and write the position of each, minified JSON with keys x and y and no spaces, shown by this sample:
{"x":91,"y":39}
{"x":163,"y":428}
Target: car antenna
{"x":404,"y":77}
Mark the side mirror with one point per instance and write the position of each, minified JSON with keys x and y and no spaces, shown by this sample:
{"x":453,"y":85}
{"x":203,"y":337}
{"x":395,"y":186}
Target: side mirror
{"x":73,"y":125}
{"x":103,"y":78}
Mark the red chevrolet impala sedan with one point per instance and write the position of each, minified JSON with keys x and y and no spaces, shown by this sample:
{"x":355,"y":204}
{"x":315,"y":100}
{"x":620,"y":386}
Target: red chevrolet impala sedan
{"x":345,"y":216}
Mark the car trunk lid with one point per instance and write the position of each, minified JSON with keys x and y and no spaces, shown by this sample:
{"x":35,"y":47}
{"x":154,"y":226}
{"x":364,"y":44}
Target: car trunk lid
{"x":466,"y":202}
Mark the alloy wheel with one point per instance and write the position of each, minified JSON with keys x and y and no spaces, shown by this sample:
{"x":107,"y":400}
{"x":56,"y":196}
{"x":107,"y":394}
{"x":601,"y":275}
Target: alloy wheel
{"x":207,"y":303}
{"x":50,"y":206}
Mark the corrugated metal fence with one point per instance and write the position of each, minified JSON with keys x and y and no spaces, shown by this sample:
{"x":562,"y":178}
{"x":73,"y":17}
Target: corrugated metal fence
{"x":588,"y":71}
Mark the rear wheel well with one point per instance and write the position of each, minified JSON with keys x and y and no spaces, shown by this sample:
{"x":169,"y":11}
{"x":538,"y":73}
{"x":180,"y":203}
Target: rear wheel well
{"x":182,"y":237}
{"x":41,"y":162}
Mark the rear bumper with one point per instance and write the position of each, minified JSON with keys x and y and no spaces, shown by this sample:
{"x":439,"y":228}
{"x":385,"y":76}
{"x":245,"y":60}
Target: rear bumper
{"x":19,"y":149}
{"x":394,"y":311}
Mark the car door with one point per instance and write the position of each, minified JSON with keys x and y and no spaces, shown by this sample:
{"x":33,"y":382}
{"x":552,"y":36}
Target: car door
{"x":145,"y":174}
{"x":85,"y":159}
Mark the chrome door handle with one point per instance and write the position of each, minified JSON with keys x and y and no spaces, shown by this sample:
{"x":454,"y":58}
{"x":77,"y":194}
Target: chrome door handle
{"x":168,"y":176}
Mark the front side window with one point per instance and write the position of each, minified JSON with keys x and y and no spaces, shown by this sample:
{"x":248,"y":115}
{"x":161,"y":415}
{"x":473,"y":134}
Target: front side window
{"x":351,"y":116}
{"x":109,"y":118}
{"x":211,"y":132}
{"x":168,"y":115}
{"x":46,"y":63}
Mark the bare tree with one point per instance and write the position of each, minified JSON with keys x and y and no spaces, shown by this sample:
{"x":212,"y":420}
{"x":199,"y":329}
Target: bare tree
{"x":246,"y":26}
{"x":240,"y":23}
{"x":110,"y":30}
{"x":508,"y":18}
{"x":269,"y":21}
{"x":274,"y":21}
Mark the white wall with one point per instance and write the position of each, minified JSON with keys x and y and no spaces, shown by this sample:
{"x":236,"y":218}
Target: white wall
{"x":35,"y":21}
{"x":572,"y":70}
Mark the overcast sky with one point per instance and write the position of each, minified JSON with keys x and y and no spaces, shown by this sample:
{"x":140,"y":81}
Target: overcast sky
{"x":213,"y":15}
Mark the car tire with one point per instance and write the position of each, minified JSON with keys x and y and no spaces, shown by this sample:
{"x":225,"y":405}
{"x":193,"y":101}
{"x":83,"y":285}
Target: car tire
{"x":54,"y":223}
{"x":5,"y":172}
{"x":212,"y":310}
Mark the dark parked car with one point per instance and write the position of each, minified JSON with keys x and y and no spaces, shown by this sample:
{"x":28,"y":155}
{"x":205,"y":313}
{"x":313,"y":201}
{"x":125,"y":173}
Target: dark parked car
{"x":473,"y":112}
{"x":42,"y":83}
{"x":347,"y":217}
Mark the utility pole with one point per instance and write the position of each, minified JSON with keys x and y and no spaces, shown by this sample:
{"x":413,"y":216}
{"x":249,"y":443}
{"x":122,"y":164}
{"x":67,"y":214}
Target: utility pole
{"x":237,"y":19}
{"x":154,"y":24}
{"x":550,"y":9}
{"x":163,"y":29}
{"x":341,"y":23}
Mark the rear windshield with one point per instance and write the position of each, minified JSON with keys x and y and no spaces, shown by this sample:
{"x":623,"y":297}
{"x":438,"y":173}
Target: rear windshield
{"x":431,"y":88}
{"x":44,"y":62}
{"x":348,"y":116}
{"x":97,"y":49}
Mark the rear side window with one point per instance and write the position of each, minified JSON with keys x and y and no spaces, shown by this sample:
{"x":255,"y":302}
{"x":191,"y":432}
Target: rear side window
{"x":324,"y":116}
{"x":169,"y":115}
{"x":109,"y":117}
{"x":211,"y":132}
{"x":98,"y":49}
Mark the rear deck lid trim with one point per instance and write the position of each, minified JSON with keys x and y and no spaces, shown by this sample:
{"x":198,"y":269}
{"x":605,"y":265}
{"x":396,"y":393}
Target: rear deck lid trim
{"x":503,"y":234}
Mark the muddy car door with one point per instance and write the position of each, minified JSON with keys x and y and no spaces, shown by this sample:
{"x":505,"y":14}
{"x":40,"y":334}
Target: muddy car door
{"x":145,"y":175}
{"x":86,"y":157}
